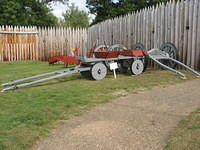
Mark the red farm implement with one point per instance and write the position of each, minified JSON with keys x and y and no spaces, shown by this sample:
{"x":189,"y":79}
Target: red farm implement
{"x":66,"y":59}
{"x":103,"y":58}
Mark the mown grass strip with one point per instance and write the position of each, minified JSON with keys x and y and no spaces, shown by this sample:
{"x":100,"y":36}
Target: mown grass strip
{"x":186,"y":136}
{"x":29,"y":113}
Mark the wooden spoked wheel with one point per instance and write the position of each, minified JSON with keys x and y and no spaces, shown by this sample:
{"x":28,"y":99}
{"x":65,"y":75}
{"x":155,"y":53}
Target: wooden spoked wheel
{"x":146,"y":59}
{"x":98,"y":71}
{"x":137,"y":67}
{"x":172,"y":51}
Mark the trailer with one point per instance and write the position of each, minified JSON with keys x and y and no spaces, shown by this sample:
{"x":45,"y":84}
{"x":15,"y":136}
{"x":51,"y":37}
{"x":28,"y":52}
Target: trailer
{"x":104,"y":57}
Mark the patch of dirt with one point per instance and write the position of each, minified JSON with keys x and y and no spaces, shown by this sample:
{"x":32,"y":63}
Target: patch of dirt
{"x":140,"y":121}
{"x":120,"y":93}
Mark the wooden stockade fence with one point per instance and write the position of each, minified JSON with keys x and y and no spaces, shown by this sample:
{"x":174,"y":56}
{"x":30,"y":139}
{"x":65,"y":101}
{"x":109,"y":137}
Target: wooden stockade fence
{"x":18,"y":43}
{"x":58,"y":41}
{"x":31,"y":43}
{"x":176,"y":22}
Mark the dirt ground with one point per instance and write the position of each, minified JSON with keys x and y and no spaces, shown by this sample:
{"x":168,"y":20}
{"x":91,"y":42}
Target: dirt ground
{"x":140,"y":121}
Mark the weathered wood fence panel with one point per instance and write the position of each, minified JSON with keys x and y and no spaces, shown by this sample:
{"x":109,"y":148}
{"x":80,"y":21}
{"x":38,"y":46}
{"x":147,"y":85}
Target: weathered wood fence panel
{"x":18,"y":43}
{"x":31,"y":43}
{"x":58,"y":41}
{"x":175,"y":22}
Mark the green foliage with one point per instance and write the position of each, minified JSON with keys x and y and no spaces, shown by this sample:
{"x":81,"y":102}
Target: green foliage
{"x":23,"y":12}
{"x":74,"y":17}
{"x":49,"y":1}
{"x":106,"y":9}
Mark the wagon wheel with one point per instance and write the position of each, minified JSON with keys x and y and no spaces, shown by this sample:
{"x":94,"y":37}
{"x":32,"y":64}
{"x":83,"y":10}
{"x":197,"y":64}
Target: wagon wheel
{"x":98,"y":71}
{"x":146,"y":59}
{"x":117,"y":47}
{"x":101,"y":47}
{"x":137,"y":67}
{"x":138,"y":46}
{"x":172,"y":51}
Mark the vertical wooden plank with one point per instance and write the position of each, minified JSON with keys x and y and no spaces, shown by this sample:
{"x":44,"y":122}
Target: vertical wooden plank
{"x":191,"y":8}
{"x":172,"y":17}
{"x":20,"y":44}
{"x":1,"y":45}
{"x":155,"y":27}
{"x":149,"y":30}
{"x":145,"y":27}
{"x":9,"y":44}
{"x":181,"y":30}
{"x":36,"y":44}
{"x":194,"y":33}
{"x":132,"y":34}
{"x":162,"y":23}
{"x":166,"y":23}
{"x":186,"y":29}
{"x":159,"y":33}
{"x":169,"y":23}
{"x":16,"y":44}
{"x":198,"y":41}
{"x":12,"y":45}
{"x":39,"y":45}
{"x":152,"y":26}
{"x":51,"y":38}
{"x":144,"y":24}
{"x":177,"y":26}
{"x":43,"y":43}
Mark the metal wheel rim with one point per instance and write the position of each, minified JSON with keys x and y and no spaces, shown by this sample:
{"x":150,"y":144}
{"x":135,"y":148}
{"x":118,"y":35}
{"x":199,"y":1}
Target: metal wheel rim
{"x":98,"y":71}
{"x":137,"y":67}
{"x":117,"y":47}
{"x":146,"y":59}
{"x":100,"y":47}
{"x":172,"y":51}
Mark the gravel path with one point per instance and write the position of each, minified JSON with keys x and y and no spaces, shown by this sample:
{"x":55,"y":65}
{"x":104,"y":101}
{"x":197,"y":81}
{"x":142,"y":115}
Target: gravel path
{"x":136,"y":122}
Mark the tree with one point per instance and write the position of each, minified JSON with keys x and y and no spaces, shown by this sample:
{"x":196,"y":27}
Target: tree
{"x":103,"y":9}
{"x":74,"y":17}
{"x":106,"y":9}
{"x":26,"y":12}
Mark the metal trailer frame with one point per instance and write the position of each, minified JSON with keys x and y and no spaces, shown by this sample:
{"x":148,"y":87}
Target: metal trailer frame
{"x":156,"y":55}
{"x":87,"y":64}
{"x":58,"y":74}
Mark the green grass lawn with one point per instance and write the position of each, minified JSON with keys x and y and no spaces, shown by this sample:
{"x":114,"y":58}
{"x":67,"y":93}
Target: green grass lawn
{"x":186,"y":136}
{"x":27,"y":114}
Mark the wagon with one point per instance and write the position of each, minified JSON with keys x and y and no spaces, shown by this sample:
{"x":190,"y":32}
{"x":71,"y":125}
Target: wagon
{"x":97,"y":67}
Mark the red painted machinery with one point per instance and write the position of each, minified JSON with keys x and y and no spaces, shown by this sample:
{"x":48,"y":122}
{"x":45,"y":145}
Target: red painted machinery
{"x":66,"y":59}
